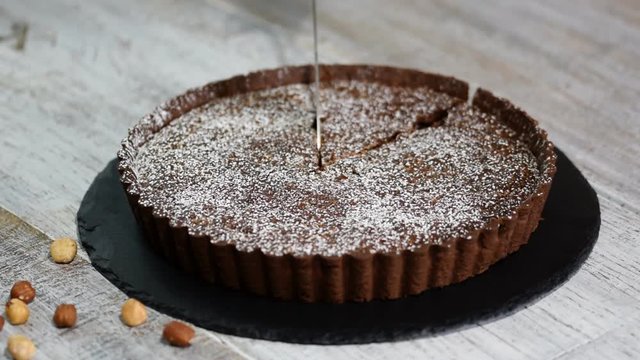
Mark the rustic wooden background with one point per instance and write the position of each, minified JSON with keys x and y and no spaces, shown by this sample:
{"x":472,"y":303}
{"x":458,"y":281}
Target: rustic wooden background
{"x":74,"y":75}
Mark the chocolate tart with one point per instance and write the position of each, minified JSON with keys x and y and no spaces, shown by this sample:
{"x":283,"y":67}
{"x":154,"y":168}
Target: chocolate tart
{"x":419,"y":186}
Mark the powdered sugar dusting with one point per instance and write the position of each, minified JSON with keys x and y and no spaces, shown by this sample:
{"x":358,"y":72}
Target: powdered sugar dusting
{"x":243,"y":170}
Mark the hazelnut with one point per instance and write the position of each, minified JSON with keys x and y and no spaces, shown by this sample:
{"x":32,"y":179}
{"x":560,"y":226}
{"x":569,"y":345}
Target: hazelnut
{"x":1,"y":322}
{"x":21,"y":347}
{"x":65,"y":316}
{"x":133,"y":313}
{"x":178,"y":334}
{"x":17,"y":312}
{"x":63,"y":250}
{"x":24,"y":291}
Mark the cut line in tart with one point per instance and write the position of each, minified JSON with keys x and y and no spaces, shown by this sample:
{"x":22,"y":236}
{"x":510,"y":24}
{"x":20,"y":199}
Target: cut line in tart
{"x":420,"y":187}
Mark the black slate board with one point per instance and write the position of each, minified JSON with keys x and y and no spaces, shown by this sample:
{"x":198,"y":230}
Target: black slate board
{"x":556,"y":250}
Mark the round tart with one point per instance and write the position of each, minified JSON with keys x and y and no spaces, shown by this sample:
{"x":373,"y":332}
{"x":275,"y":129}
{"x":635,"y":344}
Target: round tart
{"x":418,"y":187}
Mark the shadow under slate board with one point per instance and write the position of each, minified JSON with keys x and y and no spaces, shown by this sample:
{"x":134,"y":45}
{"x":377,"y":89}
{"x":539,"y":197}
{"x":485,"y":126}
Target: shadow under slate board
{"x":563,"y":240}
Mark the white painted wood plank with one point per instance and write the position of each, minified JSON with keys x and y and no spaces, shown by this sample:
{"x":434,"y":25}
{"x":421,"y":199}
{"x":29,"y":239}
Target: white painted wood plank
{"x":89,"y":69}
{"x":99,"y":334}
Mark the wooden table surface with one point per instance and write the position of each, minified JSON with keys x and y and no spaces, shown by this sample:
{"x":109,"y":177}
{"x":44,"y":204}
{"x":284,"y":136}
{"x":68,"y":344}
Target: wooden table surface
{"x":74,"y":75}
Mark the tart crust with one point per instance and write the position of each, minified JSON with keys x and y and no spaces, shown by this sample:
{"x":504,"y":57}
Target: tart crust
{"x":355,"y":276}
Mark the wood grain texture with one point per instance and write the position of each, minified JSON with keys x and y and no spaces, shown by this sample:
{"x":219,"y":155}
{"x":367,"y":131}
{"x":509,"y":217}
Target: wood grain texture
{"x":98,"y":332}
{"x":87,"y":70}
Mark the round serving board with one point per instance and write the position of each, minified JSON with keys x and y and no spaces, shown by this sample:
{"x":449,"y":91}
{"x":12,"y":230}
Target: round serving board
{"x":563,"y":240}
